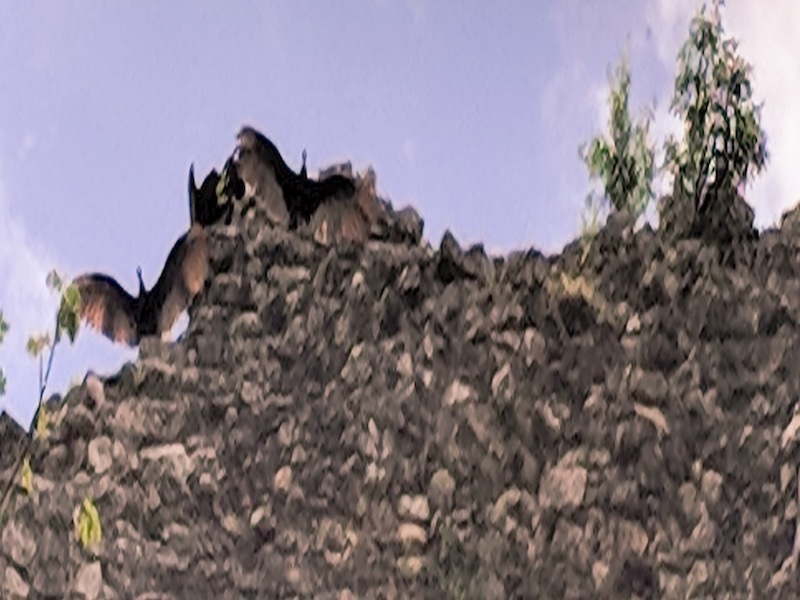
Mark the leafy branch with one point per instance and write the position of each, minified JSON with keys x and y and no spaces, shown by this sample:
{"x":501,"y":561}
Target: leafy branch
{"x":67,"y":320}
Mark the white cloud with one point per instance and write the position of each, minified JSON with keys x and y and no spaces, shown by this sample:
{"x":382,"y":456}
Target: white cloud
{"x":768,"y":41}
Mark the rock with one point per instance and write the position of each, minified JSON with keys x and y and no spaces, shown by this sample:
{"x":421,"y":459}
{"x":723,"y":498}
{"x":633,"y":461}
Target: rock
{"x":411,"y":533}
{"x":410,"y":566}
{"x":18,"y":543}
{"x":415,"y":507}
{"x":711,"y":487}
{"x":89,"y":581}
{"x":100,"y":455}
{"x":457,"y":393}
{"x":13,"y":584}
{"x":95,"y":389}
{"x":441,"y":489}
{"x":563,"y":487}
{"x":283,"y":479}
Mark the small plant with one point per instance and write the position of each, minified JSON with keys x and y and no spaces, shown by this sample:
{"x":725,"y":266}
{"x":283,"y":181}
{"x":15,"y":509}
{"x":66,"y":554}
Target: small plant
{"x":67,"y":319}
{"x":87,"y":524}
{"x":623,"y":161}
{"x":37,"y":344}
{"x":69,"y":313}
{"x":590,"y":226}
{"x":723,"y":143}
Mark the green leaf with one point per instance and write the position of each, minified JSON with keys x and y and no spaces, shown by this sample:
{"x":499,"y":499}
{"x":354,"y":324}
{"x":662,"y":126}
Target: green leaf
{"x":69,"y":312}
{"x":54,"y":280}
{"x":36,"y":344}
{"x":3,"y":327}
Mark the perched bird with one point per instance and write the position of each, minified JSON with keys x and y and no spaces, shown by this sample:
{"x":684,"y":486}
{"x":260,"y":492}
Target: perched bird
{"x":210,"y":203}
{"x":301,"y":195}
{"x":349,"y":218}
{"x":108,"y":308}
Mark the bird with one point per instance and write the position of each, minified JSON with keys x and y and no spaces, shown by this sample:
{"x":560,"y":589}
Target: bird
{"x":209,"y":204}
{"x":107,"y":307}
{"x":301,"y":195}
{"x":349,"y":218}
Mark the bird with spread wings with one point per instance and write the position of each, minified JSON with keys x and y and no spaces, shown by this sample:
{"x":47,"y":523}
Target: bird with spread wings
{"x":107,"y":307}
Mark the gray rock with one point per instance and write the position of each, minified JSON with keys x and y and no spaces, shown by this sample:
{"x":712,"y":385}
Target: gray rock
{"x":100,"y":454}
{"x":13,"y":584}
{"x":89,"y":581}
{"x":18,"y":543}
{"x":563,"y":487}
{"x":441,"y":489}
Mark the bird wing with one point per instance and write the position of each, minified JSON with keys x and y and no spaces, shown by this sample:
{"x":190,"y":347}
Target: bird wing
{"x":208,"y":189}
{"x":182,"y":278}
{"x":203,"y":205}
{"x":107,"y":307}
{"x":233,"y":186}
{"x":193,"y":193}
{"x":333,"y":185}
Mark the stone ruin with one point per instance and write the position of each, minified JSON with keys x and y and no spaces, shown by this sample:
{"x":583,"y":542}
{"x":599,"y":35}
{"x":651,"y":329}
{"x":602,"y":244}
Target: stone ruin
{"x":401,"y":421}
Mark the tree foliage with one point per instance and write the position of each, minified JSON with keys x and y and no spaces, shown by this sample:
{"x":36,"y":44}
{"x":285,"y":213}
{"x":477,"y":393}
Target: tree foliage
{"x":723,"y":143}
{"x":623,"y":161}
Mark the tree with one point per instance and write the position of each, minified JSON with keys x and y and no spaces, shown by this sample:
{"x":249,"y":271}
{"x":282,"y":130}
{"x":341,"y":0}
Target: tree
{"x":723,"y":143}
{"x":623,"y":161}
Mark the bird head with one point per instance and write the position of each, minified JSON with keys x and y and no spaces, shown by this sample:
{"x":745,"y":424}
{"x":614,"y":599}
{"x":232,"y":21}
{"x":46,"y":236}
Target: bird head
{"x":142,"y":290}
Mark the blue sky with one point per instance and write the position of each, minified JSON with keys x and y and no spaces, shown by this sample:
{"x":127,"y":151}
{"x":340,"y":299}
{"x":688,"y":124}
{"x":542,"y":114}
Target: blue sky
{"x":473,"y":115}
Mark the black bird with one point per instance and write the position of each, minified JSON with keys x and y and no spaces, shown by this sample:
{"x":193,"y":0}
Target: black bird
{"x":301,"y":195}
{"x":108,"y":308}
{"x":209,"y":204}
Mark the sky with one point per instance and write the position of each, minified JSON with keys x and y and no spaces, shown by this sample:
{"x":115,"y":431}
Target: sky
{"x":472,"y":115}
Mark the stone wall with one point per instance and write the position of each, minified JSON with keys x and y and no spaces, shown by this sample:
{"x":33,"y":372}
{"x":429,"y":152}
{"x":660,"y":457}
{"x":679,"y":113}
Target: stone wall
{"x":398,"y":421}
